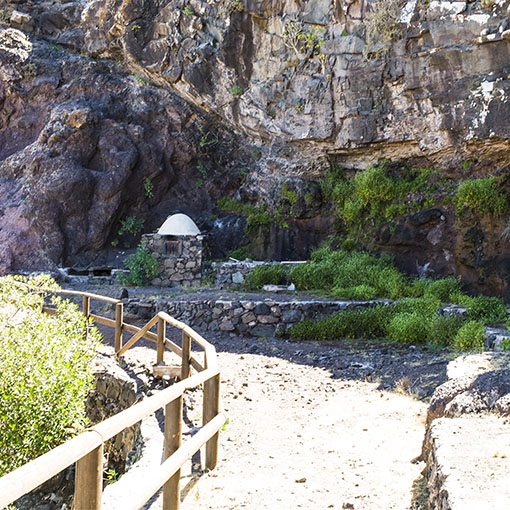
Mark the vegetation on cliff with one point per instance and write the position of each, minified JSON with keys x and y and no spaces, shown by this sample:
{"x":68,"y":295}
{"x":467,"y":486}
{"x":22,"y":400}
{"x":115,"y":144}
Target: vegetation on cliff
{"x":45,"y":368}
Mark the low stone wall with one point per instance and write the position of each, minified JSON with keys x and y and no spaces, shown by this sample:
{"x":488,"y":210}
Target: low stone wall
{"x":233,"y":274}
{"x":252,"y":317}
{"x":114,"y":390}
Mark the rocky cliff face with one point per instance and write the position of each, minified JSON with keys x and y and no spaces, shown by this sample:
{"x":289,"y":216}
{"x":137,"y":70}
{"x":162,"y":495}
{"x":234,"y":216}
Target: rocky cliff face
{"x":208,"y":99}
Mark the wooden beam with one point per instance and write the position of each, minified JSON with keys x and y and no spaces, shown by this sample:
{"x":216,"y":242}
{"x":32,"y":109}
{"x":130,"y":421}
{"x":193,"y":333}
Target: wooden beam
{"x":137,"y":336}
{"x":102,"y":320}
{"x":211,"y":407}
{"x":151,"y":479}
{"x":119,"y":319}
{"x":88,"y":487}
{"x":160,"y":354}
{"x":173,"y":439}
{"x":186,"y":356}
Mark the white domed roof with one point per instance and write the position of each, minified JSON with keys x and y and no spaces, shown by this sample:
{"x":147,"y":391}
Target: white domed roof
{"x":179,"y":225}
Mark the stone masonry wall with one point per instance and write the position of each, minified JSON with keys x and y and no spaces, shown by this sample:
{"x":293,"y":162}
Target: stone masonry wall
{"x":183,"y":269}
{"x":252,"y":317}
{"x":114,"y":390}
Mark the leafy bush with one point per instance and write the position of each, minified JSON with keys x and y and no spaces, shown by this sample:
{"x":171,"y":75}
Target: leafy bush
{"x":445,"y":289}
{"x":131,"y":225}
{"x":373,"y":185}
{"x":424,"y":306}
{"x":142,"y":266}
{"x":484,"y":308}
{"x":273,"y":274}
{"x":45,"y":367}
{"x":470,"y":337}
{"x":409,"y":328}
{"x":256,"y":216}
{"x":443,"y":329}
{"x":381,"y":26}
{"x":238,"y":254}
{"x":481,"y":195}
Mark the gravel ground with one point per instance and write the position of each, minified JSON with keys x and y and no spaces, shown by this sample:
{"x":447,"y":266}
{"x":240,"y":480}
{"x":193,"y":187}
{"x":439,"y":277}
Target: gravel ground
{"x":313,"y":425}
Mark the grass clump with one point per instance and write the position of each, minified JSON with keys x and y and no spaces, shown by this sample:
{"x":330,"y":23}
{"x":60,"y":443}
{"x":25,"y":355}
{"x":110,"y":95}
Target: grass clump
{"x":46,"y":370}
{"x":349,"y":275}
{"x":273,"y":274}
{"x":470,"y":337}
{"x":481,"y":195}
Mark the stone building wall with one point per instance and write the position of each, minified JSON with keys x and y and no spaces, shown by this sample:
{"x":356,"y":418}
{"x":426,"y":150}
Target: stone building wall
{"x":181,"y":267}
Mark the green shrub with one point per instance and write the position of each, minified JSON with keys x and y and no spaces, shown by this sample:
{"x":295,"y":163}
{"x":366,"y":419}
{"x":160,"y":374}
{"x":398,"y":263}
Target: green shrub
{"x":363,"y":292}
{"x":131,"y":225}
{"x":368,"y":323}
{"x":373,"y":185}
{"x":417,"y":288}
{"x":424,"y":306}
{"x":481,"y":195}
{"x":443,"y":329}
{"x":238,"y":254}
{"x":445,"y":289}
{"x":273,"y":274}
{"x":46,"y":371}
{"x":350,"y":274}
{"x":142,"y":267}
{"x":485,"y":308}
{"x":349,"y":245}
{"x":409,"y":328}
{"x":470,"y":337}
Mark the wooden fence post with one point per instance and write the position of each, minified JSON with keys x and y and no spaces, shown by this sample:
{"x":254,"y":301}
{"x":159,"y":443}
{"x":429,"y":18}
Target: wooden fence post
{"x":119,"y":320}
{"x":186,"y":355}
{"x":160,"y":356}
{"x":211,"y":407}
{"x":89,"y":481}
{"x":173,"y":436}
{"x":86,"y":311}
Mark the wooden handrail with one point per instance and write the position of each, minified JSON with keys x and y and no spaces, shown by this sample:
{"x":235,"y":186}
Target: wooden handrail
{"x":86,"y":449}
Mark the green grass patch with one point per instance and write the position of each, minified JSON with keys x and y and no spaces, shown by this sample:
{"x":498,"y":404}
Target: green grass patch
{"x":482,"y":196}
{"x":350,"y":275}
{"x":273,"y":274}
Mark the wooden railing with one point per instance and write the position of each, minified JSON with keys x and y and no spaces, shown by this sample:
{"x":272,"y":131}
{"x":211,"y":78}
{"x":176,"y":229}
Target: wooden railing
{"x":86,"y":449}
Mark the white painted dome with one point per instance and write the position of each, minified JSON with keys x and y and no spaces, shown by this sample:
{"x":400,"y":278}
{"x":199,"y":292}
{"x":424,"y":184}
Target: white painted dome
{"x":179,"y":225}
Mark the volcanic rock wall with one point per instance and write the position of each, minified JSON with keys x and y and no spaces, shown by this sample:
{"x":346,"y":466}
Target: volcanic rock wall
{"x":209,"y":99}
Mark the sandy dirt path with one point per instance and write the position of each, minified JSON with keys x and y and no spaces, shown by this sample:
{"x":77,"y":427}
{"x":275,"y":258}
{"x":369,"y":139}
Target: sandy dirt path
{"x":297,"y":438}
